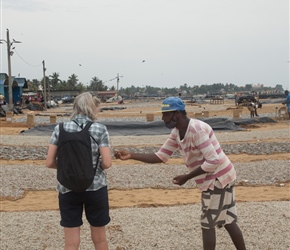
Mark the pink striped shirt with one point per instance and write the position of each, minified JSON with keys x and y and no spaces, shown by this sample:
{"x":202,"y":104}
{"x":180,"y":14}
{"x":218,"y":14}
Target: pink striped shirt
{"x":200,"y":147}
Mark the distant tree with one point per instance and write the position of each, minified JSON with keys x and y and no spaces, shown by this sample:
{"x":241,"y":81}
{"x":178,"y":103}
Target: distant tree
{"x":279,"y":87}
{"x":33,"y":85}
{"x":203,"y":89}
{"x":248,"y":87}
{"x":64,"y":85}
{"x":127,"y":92}
{"x":72,"y":81}
{"x":170,"y":91}
{"x":54,"y":81}
{"x":80,"y":87}
{"x":97,"y":85}
{"x":151,"y":90}
{"x":183,"y":88}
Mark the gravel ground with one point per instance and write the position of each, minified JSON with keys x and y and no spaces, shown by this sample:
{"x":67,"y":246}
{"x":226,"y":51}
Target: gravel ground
{"x":39,"y":153}
{"x":18,"y":178}
{"x":24,"y":147}
{"x":265,"y":225}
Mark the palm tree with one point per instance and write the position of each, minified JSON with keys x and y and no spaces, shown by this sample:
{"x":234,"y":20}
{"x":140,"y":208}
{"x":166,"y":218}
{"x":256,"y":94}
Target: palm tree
{"x":97,"y":85}
{"x":72,"y":81}
{"x":54,"y":81}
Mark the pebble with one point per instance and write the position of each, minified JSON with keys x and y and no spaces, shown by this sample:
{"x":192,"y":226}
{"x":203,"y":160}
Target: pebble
{"x":39,"y":153}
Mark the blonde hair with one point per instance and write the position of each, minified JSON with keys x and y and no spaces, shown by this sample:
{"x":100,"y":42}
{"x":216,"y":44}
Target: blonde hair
{"x":85,"y":104}
{"x":96,"y":101}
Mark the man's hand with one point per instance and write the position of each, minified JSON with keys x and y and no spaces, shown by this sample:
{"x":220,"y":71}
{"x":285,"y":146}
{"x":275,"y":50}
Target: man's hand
{"x":180,"y":180}
{"x":122,"y":154}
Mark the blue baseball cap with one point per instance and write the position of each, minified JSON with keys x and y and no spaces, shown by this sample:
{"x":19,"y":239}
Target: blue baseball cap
{"x":172,"y":104}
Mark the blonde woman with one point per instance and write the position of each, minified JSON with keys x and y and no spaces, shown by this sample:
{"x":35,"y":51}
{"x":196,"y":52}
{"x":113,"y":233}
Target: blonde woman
{"x":95,"y":199}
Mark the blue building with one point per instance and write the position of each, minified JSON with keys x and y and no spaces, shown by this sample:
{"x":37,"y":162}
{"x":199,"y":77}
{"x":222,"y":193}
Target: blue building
{"x":18,"y":84}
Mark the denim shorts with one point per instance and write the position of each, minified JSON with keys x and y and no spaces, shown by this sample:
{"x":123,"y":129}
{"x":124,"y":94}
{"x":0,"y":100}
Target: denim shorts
{"x":95,"y":203}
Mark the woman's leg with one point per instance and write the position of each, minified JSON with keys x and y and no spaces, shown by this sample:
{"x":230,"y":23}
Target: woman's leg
{"x":72,"y":238}
{"x":99,"y":238}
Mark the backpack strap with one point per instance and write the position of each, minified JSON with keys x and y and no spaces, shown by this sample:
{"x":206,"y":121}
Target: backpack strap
{"x":88,"y":125}
{"x":61,"y":126}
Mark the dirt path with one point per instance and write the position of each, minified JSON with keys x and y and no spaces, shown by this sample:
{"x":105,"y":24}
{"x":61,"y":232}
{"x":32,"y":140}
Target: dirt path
{"x":47,"y":200}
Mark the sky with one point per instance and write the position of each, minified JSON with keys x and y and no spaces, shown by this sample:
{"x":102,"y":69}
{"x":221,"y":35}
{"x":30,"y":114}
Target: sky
{"x":161,"y":43}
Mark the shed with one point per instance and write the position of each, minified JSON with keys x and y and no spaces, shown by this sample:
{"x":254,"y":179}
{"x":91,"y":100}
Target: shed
{"x":18,"y":84}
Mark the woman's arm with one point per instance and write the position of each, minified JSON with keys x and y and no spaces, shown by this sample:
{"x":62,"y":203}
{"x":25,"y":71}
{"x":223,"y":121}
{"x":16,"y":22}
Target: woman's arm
{"x":51,"y":157}
{"x":106,"y":157}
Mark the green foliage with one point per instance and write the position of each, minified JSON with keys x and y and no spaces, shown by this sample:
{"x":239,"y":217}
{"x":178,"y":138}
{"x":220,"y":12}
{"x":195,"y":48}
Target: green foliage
{"x":72,"y":83}
{"x":248,"y":87}
{"x":279,"y":87}
{"x":54,"y":81}
{"x":97,"y":85}
{"x":33,"y":85}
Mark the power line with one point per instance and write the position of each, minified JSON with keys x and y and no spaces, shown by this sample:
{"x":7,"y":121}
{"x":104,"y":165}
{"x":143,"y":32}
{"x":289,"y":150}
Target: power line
{"x":26,"y":61}
{"x":117,"y":77}
{"x":110,"y":80}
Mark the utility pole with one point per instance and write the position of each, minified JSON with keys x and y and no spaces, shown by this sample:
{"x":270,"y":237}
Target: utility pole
{"x":48,"y":89}
{"x":118,"y":79}
{"x":9,"y":54}
{"x":9,"y":73}
{"x":44,"y":85}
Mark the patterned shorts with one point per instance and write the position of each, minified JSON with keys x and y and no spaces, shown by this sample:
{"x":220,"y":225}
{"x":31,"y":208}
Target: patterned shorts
{"x":218,"y":207}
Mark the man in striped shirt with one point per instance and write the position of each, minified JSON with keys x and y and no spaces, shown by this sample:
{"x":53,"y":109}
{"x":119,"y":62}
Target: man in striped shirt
{"x":208,"y":165}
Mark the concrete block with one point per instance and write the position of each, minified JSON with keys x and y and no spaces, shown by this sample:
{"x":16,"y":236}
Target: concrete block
{"x":9,"y":116}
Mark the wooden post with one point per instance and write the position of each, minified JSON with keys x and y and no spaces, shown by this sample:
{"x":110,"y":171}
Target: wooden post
{"x":30,"y":120}
{"x":52,"y":119}
{"x":150,"y":117}
{"x":237,"y":113}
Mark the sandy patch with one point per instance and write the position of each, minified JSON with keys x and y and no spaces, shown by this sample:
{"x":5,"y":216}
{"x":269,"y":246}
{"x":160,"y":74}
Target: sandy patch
{"x":47,"y":200}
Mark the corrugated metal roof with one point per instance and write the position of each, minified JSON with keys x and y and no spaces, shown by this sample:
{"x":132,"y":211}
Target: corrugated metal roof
{"x":21,"y":81}
{"x":3,"y":77}
{"x":18,"y":81}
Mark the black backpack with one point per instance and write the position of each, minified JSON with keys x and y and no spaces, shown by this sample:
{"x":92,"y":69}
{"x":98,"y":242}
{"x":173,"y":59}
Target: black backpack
{"x":75,"y":169}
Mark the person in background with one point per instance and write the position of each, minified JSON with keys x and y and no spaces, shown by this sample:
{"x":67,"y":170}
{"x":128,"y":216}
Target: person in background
{"x":208,"y":165}
{"x":2,"y":100}
{"x":287,"y":102}
{"x":95,"y":198}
